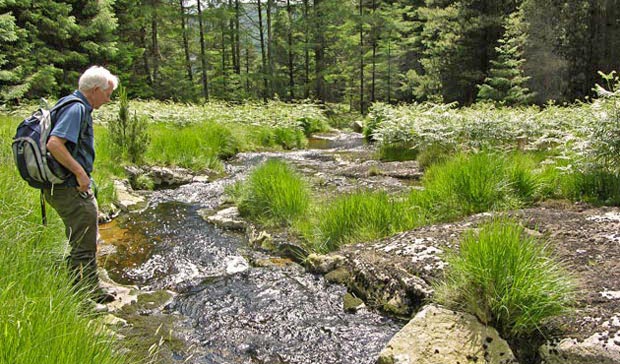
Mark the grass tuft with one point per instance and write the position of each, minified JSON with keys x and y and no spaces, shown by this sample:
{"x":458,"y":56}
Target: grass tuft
{"x":506,"y":278}
{"x":274,"y":194}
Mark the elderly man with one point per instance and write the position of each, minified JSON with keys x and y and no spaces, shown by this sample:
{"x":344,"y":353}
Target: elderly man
{"x":71,"y":143}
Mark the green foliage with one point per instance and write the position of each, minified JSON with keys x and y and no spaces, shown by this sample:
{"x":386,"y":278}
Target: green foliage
{"x":359,"y":216}
{"x":505,"y":82}
{"x":605,"y":142}
{"x":592,"y":185}
{"x":434,"y":153}
{"x":469,"y":184}
{"x":397,"y":152}
{"x":129,"y":134}
{"x":274,"y":194}
{"x":506,"y":278}
{"x":45,"y":47}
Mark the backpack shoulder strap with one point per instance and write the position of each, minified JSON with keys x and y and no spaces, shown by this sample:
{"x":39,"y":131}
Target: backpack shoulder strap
{"x":65,"y":102}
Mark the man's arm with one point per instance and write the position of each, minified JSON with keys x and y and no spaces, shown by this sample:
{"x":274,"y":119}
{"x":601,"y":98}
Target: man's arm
{"x":56,"y":146}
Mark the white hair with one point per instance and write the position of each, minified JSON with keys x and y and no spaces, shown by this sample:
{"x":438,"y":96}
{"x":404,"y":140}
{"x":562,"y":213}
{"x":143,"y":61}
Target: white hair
{"x":97,"y":76}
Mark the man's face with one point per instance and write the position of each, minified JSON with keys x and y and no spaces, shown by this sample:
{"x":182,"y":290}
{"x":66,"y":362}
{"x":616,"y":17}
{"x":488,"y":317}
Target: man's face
{"x":101,"y":96}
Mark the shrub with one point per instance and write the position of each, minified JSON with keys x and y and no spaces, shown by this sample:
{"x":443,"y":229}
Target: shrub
{"x":274,"y":194}
{"x":129,"y":134}
{"x":505,"y":278}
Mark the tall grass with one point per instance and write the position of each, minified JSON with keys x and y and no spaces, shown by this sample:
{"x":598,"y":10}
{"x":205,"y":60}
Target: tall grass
{"x":42,"y":320}
{"x":359,"y":216}
{"x":468,"y":184}
{"x":274,"y":194}
{"x":506,"y":278}
{"x":596,"y":186}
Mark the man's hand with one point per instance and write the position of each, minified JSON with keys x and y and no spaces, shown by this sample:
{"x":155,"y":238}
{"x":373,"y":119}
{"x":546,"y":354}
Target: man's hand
{"x":56,"y":146}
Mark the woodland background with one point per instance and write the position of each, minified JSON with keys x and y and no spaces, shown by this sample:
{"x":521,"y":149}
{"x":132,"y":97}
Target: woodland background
{"x":345,"y":51}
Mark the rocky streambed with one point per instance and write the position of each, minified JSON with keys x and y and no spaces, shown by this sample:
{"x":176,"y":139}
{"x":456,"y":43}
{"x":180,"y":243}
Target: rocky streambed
{"x":207,"y":292}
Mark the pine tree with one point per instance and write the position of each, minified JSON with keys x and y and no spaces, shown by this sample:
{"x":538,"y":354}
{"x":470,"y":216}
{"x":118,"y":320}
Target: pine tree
{"x":505,"y":83}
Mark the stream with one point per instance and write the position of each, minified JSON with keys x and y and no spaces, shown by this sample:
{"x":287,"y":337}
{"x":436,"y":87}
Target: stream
{"x":227,"y":307}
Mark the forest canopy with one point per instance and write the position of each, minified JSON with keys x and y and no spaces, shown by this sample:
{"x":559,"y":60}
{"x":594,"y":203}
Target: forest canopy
{"x":355,"y":52}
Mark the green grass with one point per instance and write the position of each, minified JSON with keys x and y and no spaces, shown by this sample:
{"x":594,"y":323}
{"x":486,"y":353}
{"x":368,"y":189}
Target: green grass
{"x":42,"y":320}
{"x":506,"y":278}
{"x":274,"y":194}
{"x":356,"y":217}
{"x":469,"y":184}
{"x":397,"y":152}
{"x":595,"y":186}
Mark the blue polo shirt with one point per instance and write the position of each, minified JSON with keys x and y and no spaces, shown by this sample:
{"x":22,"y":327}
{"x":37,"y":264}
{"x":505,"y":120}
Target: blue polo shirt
{"x":74,"y":123}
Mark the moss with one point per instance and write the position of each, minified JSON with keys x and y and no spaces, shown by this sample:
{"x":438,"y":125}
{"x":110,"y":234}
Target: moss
{"x":340,"y":276}
{"x":352,"y":303}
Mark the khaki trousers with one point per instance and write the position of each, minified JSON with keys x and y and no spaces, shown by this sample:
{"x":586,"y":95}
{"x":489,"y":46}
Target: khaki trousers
{"x":79,"y":214}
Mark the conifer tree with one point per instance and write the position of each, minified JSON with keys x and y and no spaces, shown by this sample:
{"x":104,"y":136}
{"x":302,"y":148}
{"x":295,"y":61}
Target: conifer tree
{"x":505,"y":82}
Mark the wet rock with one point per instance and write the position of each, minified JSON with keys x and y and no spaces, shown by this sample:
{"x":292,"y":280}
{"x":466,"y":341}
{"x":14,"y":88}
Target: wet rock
{"x":227,"y":218}
{"x":352,"y":303}
{"x":126,"y":199}
{"x":601,"y":348}
{"x":261,"y":239}
{"x":160,"y":176}
{"x":357,"y":126}
{"x":438,"y":336}
{"x":322,"y":264}
{"x":340,"y":276}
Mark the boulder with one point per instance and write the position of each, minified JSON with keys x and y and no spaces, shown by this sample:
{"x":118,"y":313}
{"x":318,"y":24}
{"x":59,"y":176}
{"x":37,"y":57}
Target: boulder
{"x":126,"y":199}
{"x":601,"y":347}
{"x":438,"y":336}
{"x":227,"y":218}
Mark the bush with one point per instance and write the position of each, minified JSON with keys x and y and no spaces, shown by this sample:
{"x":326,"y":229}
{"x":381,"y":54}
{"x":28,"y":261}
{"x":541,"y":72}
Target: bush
{"x":129,"y":134}
{"x":506,"y":278}
{"x":274,"y":194}
{"x":469,"y":184}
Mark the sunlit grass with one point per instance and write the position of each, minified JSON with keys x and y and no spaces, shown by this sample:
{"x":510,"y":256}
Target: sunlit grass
{"x":506,"y":278}
{"x":42,"y":320}
{"x":274,"y":194}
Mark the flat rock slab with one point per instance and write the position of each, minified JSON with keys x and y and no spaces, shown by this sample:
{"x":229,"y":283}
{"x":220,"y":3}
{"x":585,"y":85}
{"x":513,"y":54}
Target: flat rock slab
{"x":439,"y":336}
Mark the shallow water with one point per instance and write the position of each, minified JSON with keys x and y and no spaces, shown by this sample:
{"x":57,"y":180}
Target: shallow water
{"x":228,"y":310}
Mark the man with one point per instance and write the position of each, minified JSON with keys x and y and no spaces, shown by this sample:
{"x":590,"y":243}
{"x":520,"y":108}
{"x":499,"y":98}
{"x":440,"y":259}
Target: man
{"x":71,"y":143}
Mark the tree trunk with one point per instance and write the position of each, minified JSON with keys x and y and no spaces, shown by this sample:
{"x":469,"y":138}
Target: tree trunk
{"x":389,"y":70}
{"x":319,"y":52}
{"x":223,"y":50}
{"x":262,"y":50}
{"x":269,"y":47}
{"x":155,"y":53}
{"x":306,"y":49}
{"x":188,"y":64}
{"x":231,"y":31}
{"x":361,"y":25}
{"x":237,"y":44}
{"x":203,"y":55}
{"x":374,"y":54}
{"x":145,"y":57}
{"x":291,"y":76}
